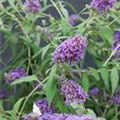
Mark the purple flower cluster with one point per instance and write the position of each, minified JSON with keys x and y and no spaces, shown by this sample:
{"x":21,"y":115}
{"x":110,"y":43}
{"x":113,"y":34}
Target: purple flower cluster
{"x":116,"y":42}
{"x":33,"y":5}
{"x":3,"y":94}
{"x":94,"y":91}
{"x":31,"y":116}
{"x":15,"y":74}
{"x":102,"y":5}
{"x":115,"y":99}
{"x":71,"y":50}
{"x":73,"y":92}
{"x":65,"y":117}
{"x":44,"y":107}
{"x":73,"y":19}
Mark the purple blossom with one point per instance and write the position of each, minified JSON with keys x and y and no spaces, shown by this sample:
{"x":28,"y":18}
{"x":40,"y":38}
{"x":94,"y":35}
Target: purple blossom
{"x":3,"y":94}
{"x":71,"y":50}
{"x":31,"y":116}
{"x":44,"y":107}
{"x":116,"y":42}
{"x":86,"y":117}
{"x":102,"y":5}
{"x":115,"y":99}
{"x":73,"y":92}
{"x":73,"y":19}
{"x":15,"y":74}
{"x":58,"y":117}
{"x":94,"y":91}
{"x":33,"y":5}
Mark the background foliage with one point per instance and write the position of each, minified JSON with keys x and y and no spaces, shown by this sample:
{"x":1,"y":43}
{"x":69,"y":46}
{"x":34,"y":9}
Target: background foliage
{"x":32,"y":38}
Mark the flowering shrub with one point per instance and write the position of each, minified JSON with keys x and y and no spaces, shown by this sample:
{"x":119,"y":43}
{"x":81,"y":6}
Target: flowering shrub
{"x":64,"y":68}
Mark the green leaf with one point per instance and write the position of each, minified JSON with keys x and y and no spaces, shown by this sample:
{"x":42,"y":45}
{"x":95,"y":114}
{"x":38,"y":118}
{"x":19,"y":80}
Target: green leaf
{"x":105,"y":76}
{"x":114,"y":79}
{"x":115,"y":118}
{"x":110,"y":112}
{"x":50,"y":87}
{"x":25,"y":79}
{"x":37,"y":53}
{"x":95,"y":73}
{"x":44,"y":50}
{"x":107,"y":34}
{"x":16,"y":109}
{"x":60,"y":104}
{"x":85,"y":82}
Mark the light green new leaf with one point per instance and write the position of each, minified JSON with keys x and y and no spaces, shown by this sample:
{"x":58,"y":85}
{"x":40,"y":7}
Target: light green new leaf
{"x":79,"y":108}
{"x":114,"y":79}
{"x":25,"y":79}
{"x":50,"y":87}
{"x":91,"y":112}
{"x":105,"y":76}
{"x":16,"y":108}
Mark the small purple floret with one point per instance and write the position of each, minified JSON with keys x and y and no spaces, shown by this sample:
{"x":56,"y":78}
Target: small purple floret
{"x":102,"y":5}
{"x":15,"y":74}
{"x":44,"y":107}
{"x":3,"y":94}
{"x":31,"y":116}
{"x":115,"y":99}
{"x":73,"y":19}
{"x":94,"y":91}
{"x":33,"y":5}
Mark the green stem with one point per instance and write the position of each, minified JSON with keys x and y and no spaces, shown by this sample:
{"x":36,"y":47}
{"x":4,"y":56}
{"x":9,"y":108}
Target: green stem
{"x":40,"y":83}
{"x":29,"y":59}
{"x":105,"y":111}
{"x":114,"y":21}
{"x":2,"y":62}
{"x":116,"y":111}
{"x":1,"y":106}
{"x":111,"y":55}
{"x":79,"y":70}
{"x":54,"y":4}
{"x":71,"y":71}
